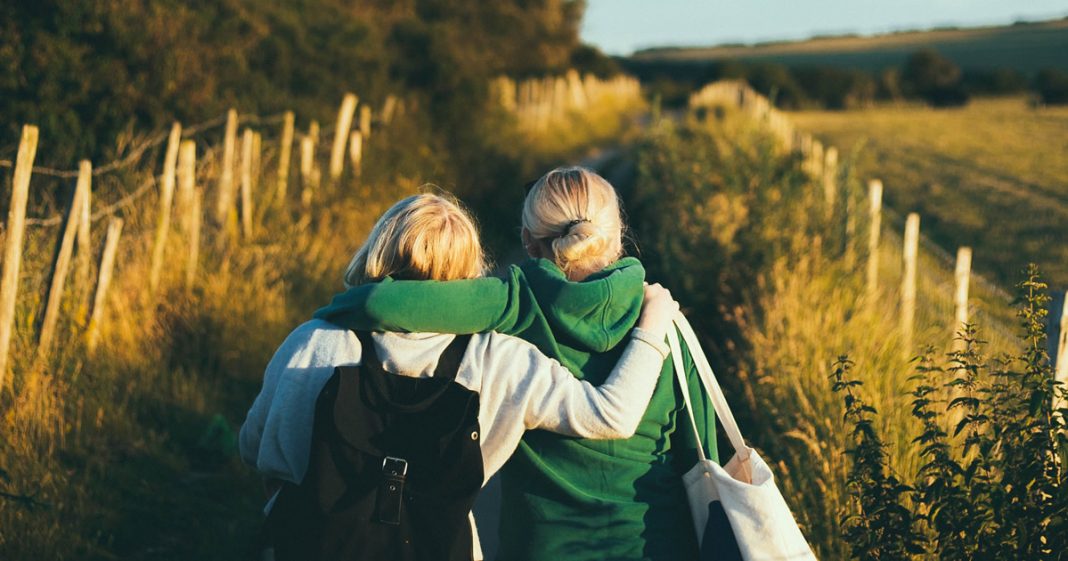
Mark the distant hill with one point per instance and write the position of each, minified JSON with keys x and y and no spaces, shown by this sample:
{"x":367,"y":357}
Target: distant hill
{"x":1026,"y":47}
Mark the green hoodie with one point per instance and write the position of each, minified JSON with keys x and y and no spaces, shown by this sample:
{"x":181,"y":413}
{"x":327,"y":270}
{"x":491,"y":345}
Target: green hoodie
{"x":566,"y":498}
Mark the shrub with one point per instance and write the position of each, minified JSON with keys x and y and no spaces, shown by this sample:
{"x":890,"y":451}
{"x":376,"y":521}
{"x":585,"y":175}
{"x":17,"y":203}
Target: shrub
{"x":995,"y":488}
{"x":1051,"y":85}
{"x":837,"y":88}
{"x":882,"y":526}
{"x":934,"y":78}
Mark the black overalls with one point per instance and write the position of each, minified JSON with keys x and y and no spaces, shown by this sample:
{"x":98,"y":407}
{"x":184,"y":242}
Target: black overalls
{"x":394,"y":470}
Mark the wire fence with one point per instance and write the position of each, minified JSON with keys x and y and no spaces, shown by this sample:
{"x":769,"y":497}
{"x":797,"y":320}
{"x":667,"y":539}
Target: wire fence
{"x":134,"y":157}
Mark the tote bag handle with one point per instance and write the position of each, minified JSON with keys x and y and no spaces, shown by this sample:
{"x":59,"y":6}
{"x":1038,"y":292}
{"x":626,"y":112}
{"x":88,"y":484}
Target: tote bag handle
{"x":710,"y":384}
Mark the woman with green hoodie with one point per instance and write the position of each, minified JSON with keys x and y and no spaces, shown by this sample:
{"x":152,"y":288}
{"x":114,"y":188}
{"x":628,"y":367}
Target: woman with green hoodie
{"x":576,"y":299}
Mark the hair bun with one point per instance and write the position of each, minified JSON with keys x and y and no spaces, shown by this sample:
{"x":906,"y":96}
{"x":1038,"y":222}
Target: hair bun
{"x":582,"y":241}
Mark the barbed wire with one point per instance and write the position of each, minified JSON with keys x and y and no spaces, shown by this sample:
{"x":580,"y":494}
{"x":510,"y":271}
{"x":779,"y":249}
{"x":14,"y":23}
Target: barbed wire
{"x":127,"y":200}
{"x":133,"y":157}
{"x":154,"y":140}
{"x":950,"y":261}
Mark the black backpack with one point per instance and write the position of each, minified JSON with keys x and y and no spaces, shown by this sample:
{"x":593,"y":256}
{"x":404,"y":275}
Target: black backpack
{"x":394,"y":470}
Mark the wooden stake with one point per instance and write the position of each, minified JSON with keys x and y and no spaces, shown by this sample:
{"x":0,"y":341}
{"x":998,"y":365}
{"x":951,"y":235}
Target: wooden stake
{"x":356,"y":151}
{"x":226,"y":177}
{"x":365,"y":121}
{"x":875,"y":209}
{"x":908,"y":283}
{"x":107,"y":264}
{"x":341,"y":134}
{"x":194,"y":240}
{"x":391,"y":103}
{"x":62,"y":262}
{"x":16,"y":225}
{"x":187,"y":178}
{"x":307,"y":170}
{"x":830,"y":178}
{"x":257,"y":160}
{"x":246,"y":183}
{"x":166,"y":199}
{"x":85,"y":243}
{"x":816,"y":160}
{"x":284,"y":155}
{"x":1060,"y":372}
{"x":962,"y":276}
{"x":850,"y":230}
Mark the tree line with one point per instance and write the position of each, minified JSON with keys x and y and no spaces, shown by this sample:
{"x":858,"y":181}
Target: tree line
{"x":89,"y":73}
{"x":926,"y":75}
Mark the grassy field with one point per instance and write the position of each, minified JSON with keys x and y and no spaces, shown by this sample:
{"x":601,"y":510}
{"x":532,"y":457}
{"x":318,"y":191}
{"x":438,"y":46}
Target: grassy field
{"x":992,"y":175}
{"x":1025,"y":47}
{"x":738,"y":231}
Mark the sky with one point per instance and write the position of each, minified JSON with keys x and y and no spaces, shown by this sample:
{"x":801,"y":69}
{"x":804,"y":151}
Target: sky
{"x":621,"y":26}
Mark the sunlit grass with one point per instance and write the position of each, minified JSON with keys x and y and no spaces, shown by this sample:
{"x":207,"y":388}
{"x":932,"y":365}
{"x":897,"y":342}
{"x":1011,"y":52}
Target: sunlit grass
{"x":993,"y":175}
{"x":748,"y":251}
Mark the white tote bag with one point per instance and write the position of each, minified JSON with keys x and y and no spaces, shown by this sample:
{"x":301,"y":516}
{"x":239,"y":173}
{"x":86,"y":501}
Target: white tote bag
{"x":738,"y":512}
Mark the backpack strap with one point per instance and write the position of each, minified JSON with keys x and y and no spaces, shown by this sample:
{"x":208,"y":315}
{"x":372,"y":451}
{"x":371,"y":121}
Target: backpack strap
{"x":450,"y":359}
{"x":448,"y":363}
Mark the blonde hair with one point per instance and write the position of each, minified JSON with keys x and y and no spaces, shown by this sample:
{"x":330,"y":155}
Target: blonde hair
{"x":422,"y":237}
{"x":577,"y":214}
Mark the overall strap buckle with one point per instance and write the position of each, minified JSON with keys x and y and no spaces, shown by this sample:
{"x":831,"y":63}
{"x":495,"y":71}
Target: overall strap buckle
{"x":391,"y":490}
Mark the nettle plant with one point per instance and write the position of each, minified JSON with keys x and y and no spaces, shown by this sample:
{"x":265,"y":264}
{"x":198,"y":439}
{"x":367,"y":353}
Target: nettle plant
{"x":993,"y":446}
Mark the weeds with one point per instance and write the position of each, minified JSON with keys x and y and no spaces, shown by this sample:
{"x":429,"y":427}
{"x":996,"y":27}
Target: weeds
{"x":994,"y":488}
{"x":883,"y":527}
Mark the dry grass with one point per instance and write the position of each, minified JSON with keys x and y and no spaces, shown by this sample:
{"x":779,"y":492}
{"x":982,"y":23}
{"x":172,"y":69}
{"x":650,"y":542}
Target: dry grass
{"x":763,"y":273}
{"x":130,"y":452}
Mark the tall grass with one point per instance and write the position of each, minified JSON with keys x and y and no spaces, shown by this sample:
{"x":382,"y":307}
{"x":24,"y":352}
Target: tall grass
{"x":130,"y":452}
{"x":741,"y":235}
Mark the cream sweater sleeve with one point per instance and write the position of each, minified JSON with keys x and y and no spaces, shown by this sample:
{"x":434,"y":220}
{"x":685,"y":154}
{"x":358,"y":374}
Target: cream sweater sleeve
{"x":520,"y":388}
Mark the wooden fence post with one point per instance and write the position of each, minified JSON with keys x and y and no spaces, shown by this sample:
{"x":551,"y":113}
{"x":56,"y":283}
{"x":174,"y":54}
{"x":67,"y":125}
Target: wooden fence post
{"x":62,"y":262}
{"x":166,"y":200}
{"x":356,"y":151}
{"x":341,"y":135}
{"x":830,"y":178}
{"x":284,"y":156}
{"x":194,"y":240}
{"x":908,"y":282}
{"x":875,"y":209}
{"x":1060,"y":372}
{"x":16,"y":225}
{"x":850,"y":209}
{"x":247,"y":141}
{"x":365,"y":121}
{"x":816,"y":160}
{"x":107,"y":265}
{"x":962,"y":274}
{"x":307,"y":170}
{"x":85,"y":244}
{"x":391,"y":103}
{"x":226,"y":176}
{"x":187,"y":177}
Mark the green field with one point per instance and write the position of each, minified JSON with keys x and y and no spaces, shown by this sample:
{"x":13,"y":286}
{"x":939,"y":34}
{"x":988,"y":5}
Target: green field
{"x":993,"y":175}
{"x":1024,"y":47}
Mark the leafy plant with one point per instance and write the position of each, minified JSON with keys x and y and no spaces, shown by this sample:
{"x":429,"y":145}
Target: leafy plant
{"x":883,"y":526}
{"x":940,"y":493}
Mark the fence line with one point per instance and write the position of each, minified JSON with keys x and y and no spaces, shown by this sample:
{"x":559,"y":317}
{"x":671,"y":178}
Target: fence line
{"x":818,"y":161}
{"x":178,"y":177}
{"x":154,"y":140}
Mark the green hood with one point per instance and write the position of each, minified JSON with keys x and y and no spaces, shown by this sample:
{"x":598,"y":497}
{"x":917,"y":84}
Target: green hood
{"x":594,"y":314}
